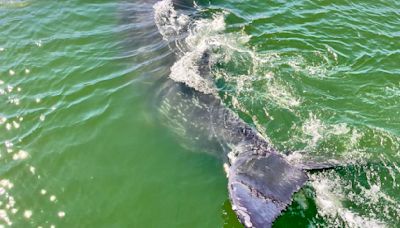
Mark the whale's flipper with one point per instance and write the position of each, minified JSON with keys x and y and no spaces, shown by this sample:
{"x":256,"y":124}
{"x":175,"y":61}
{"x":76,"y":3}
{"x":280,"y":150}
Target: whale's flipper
{"x":261,"y":186}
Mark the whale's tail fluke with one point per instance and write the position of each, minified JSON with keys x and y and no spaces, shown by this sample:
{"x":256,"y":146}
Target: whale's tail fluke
{"x":261,"y":187}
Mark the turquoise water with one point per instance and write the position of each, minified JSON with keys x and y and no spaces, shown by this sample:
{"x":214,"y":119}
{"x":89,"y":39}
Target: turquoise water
{"x":82,"y":143}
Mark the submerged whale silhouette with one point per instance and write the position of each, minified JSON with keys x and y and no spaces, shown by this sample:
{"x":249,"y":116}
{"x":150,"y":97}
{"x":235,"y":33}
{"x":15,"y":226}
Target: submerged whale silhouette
{"x":261,"y":181}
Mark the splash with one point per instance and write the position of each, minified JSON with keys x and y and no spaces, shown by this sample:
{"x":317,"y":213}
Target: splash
{"x":192,"y":44}
{"x":371,"y":199}
{"x":329,"y":201}
{"x":170,"y":23}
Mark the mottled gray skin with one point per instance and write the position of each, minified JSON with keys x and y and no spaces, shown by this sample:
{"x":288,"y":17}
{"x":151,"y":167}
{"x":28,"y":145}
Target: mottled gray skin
{"x":261,"y":181}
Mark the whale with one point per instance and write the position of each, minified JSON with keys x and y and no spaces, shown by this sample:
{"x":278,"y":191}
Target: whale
{"x":261,"y":180}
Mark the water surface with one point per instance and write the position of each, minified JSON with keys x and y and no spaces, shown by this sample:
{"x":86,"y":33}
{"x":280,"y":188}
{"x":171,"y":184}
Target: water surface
{"x":81,"y":141}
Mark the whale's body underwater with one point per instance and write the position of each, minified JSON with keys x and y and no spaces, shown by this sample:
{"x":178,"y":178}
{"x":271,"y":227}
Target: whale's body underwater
{"x":261,"y":181}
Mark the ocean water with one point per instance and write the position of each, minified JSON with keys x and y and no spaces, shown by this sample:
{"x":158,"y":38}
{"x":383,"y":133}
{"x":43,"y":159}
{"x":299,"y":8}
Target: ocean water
{"x":83,"y":141}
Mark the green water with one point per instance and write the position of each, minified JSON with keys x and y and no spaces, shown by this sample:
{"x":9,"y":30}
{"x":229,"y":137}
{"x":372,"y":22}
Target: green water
{"x":81,"y":143}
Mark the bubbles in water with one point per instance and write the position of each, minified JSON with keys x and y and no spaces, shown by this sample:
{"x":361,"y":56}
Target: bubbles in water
{"x":8,"y":144}
{"x":28,"y":214}
{"x":21,"y":155}
{"x":38,"y":43}
{"x":32,"y":169}
{"x":8,"y":126}
{"x":15,"y":124}
{"x":61,"y":214}
{"x":358,"y":197}
{"x":53,"y":198}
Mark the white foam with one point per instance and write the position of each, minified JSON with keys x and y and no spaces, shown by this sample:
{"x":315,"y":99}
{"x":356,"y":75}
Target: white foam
{"x":21,"y":155}
{"x":329,"y":196}
{"x":259,"y":66}
{"x":202,"y":37}
{"x":186,"y":70}
{"x":170,"y":23}
{"x":28,"y":214}
{"x":206,"y":35}
{"x":199,"y":38}
{"x":282,"y":95}
{"x":318,"y":131}
{"x":61,"y":214}
{"x":314,"y":128}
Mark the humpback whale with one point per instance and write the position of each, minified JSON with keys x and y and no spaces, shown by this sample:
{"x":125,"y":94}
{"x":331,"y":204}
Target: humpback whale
{"x":261,"y":181}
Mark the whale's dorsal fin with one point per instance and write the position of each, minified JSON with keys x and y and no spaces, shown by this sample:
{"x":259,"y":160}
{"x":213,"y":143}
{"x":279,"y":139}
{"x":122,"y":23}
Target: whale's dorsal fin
{"x":261,"y":187}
